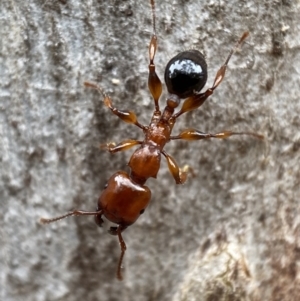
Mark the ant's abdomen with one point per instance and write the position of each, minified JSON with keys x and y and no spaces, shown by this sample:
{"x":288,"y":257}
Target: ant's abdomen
{"x":123,"y":201}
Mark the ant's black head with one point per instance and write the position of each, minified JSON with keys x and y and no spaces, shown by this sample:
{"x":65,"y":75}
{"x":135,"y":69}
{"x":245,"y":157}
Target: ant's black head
{"x":186,"y":73}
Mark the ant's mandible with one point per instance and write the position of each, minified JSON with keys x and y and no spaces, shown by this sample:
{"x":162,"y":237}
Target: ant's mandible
{"x":125,"y":196}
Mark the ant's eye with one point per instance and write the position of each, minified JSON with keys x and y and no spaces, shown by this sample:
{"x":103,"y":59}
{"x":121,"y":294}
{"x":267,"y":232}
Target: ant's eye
{"x":186,"y":73}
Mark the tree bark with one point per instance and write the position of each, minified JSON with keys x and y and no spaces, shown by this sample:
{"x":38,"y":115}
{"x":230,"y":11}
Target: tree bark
{"x":230,"y":233}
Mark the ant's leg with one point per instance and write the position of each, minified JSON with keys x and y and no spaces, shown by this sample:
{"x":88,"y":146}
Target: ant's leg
{"x":154,"y":82}
{"x":117,"y":231}
{"x":195,"y":101}
{"x":127,"y":116}
{"x":75,"y":212}
{"x":191,"y":134}
{"x":122,"y":146}
{"x":179,"y":175}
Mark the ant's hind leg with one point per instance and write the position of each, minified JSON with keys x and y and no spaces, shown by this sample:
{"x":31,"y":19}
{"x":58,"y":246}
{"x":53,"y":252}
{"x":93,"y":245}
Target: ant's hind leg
{"x":72,"y":213}
{"x":179,"y":175}
{"x":117,"y":231}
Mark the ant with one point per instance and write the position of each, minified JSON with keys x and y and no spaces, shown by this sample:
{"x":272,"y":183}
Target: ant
{"x":125,"y":196}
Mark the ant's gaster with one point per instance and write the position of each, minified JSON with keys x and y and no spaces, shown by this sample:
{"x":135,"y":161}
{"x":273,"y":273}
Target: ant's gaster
{"x":125,"y":196}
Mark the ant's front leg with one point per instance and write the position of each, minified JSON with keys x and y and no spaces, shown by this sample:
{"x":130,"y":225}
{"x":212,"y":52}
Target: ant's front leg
{"x":154,"y":83}
{"x":127,"y":116}
{"x":192,"y":134}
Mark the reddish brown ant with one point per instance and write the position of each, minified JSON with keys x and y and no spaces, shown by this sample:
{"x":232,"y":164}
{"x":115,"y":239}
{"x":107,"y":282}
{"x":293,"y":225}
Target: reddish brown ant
{"x":125,"y":196}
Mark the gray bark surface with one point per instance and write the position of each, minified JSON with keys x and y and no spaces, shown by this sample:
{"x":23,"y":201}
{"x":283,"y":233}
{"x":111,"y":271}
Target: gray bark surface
{"x":230,"y":233}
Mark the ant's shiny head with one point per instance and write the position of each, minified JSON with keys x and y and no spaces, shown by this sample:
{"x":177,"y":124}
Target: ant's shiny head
{"x":186,"y":73}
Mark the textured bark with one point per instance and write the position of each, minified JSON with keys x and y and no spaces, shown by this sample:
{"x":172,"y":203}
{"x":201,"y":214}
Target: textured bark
{"x":230,"y":233}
